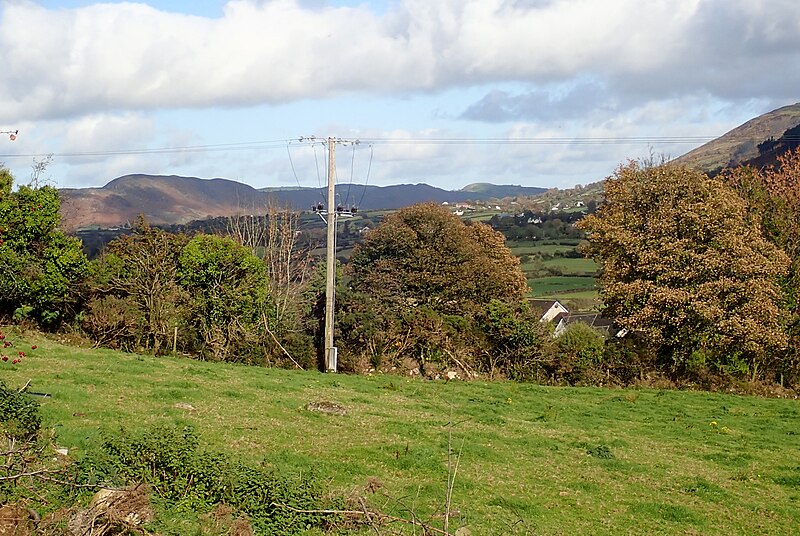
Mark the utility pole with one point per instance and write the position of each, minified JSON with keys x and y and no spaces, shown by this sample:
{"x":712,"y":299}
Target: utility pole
{"x":333,"y":213}
{"x":331,"y":357}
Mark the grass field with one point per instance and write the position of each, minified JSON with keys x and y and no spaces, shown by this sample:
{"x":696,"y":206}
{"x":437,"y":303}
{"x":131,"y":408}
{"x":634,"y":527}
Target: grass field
{"x":559,"y":285}
{"x":573,"y":266}
{"x":534,"y":460}
{"x":526,"y":247}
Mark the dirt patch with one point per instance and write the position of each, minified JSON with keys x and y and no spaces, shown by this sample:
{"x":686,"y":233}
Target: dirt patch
{"x":331,"y":408}
{"x":15,"y":521}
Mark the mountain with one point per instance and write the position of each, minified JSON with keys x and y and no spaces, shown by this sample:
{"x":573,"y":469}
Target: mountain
{"x":163,"y":199}
{"x":757,"y":142}
{"x":170,"y":199}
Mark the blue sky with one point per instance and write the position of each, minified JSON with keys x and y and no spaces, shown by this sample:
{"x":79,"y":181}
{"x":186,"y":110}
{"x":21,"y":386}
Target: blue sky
{"x":536,"y":92}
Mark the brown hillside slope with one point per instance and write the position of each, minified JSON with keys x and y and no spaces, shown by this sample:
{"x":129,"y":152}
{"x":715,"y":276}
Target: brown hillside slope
{"x":741,"y":144}
{"x":163,"y":199}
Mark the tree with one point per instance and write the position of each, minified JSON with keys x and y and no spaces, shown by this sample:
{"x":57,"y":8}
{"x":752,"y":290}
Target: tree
{"x":422,"y":284}
{"x":773,"y":198}
{"x":424,"y":255}
{"x":135,"y":300}
{"x":228,"y":288}
{"x":684,"y":264}
{"x":40,"y":266}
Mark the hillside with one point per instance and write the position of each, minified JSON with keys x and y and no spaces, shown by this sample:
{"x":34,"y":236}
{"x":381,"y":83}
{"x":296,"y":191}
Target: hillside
{"x":741,"y":145}
{"x":170,"y":199}
{"x":533,"y":460}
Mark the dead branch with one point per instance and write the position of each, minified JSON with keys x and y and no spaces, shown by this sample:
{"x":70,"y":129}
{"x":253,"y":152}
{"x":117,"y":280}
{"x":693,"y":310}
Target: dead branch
{"x":274,"y":338}
{"x":375,"y":517}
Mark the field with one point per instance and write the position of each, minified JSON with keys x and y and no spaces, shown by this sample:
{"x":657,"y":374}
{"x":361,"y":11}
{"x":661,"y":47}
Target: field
{"x":558,"y":286}
{"x":564,"y":278}
{"x":533,"y":460}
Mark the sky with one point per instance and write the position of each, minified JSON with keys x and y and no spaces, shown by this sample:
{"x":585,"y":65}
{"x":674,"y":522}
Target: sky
{"x":549,"y":93}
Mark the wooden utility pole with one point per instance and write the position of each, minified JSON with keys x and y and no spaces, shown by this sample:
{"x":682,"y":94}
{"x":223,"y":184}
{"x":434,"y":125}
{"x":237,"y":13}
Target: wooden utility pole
{"x":331,"y":357}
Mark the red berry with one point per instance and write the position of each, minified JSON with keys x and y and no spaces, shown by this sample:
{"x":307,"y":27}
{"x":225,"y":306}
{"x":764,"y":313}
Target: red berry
{"x":21,"y":353}
{"x":34,"y":347}
{"x":5,"y":358}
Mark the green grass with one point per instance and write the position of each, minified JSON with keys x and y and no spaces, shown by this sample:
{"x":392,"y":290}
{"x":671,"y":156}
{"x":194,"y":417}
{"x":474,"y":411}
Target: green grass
{"x":570,"y":266}
{"x":526,"y":247}
{"x":539,"y":459}
{"x":560,"y":285}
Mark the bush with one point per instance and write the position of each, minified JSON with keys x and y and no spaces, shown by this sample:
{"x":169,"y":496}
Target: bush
{"x":515,"y":342}
{"x":19,"y":414}
{"x":577,"y":350}
{"x":179,"y":471}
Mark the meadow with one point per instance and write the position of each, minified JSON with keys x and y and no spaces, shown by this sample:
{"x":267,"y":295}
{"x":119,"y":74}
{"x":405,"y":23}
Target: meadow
{"x":531,"y":459}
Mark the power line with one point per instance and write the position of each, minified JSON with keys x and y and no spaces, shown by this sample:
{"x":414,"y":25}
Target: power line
{"x":218,"y":147}
{"x":281,"y":144}
{"x":366,"y":180}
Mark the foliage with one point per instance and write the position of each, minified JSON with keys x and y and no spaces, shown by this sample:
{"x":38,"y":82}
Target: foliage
{"x":516,"y":343}
{"x":274,"y":238}
{"x":227,"y":287}
{"x":424,"y":255}
{"x":684,"y":264}
{"x":40,"y":266}
{"x":179,"y":471}
{"x":578,"y":350}
{"x":422,"y":284}
{"x":773,"y":197}
{"x":134,"y":297}
{"x":19,"y":414}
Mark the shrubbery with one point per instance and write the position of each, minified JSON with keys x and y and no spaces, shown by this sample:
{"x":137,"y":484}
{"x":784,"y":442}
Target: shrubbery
{"x":186,"y":476}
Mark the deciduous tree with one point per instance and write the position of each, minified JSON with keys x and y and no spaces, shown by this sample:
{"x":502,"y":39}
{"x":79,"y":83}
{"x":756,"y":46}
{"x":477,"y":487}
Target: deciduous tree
{"x":228,"y":290}
{"x":773,"y":198}
{"x":40,"y":266}
{"x":685,"y":264}
{"x":424,"y":255}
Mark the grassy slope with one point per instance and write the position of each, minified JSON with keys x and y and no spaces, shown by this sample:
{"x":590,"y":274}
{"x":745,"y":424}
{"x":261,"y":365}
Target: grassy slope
{"x":740,"y":144}
{"x":525,"y":448}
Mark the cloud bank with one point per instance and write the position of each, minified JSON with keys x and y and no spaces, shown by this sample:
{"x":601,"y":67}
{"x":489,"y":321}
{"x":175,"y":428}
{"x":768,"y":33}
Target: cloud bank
{"x":567,"y":55}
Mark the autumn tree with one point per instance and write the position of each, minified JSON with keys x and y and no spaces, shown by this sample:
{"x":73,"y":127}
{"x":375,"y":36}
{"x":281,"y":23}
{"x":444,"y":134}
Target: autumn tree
{"x":421,"y":287}
{"x":40,"y":266}
{"x":424,"y":255}
{"x":685,"y":265}
{"x":773,"y":198}
{"x":134,"y":297}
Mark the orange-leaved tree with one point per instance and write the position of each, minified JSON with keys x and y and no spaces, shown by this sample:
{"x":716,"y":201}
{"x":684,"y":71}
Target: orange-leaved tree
{"x":685,"y":265}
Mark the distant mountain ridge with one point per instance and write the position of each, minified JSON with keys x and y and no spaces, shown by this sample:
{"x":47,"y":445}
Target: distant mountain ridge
{"x":171,"y":199}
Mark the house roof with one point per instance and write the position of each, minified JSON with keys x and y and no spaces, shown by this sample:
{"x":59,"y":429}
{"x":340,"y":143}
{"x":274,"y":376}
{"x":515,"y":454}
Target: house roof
{"x":542,"y":306}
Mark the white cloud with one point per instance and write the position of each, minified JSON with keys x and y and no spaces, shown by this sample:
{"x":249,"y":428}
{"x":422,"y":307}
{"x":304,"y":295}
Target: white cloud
{"x":110,"y":57}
